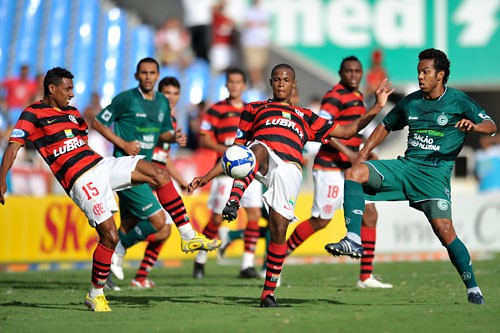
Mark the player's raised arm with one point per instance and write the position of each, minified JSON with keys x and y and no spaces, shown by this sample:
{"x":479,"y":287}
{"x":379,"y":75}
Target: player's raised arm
{"x":202,"y":181}
{"x":348,"y":131}
{"x":8,"y":159}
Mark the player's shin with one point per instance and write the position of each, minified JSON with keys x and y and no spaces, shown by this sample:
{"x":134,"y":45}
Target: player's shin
{"x":354,"y":207}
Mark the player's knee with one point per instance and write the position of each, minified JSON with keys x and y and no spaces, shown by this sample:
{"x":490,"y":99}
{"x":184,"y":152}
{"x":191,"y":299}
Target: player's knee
{"x":358,"y":173}
{"x":318,"y":223}
{"x":164,"y":233}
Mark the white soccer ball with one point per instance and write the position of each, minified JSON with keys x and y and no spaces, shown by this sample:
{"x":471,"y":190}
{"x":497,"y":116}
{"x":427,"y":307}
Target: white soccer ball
{"x":238,"y":161}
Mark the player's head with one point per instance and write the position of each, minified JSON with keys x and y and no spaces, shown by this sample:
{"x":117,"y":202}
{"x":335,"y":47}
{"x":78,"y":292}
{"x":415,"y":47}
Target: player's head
{"x":235,"y":82}
{"x":58,"y":87}
{"x":147,"y":73}
{"x":440,"y":62}
{"x":282,"y":81}
{"x":171,"y":88}
{"x":351,"y":72}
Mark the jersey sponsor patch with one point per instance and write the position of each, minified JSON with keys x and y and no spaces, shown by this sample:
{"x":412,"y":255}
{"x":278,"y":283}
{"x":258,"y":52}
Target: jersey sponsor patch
{"x":17,"y":133}
{"x":205,"y":125}
{"x":69,"y":133}
{"x":325,"y":114}
{"x":106,"y":115}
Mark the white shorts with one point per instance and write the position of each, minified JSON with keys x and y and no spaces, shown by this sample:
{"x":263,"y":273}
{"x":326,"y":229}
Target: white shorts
{"x":328,"y":193}
{"x":283,"y":181}
{"x":220,"y":190}
{"x":93,"y":191}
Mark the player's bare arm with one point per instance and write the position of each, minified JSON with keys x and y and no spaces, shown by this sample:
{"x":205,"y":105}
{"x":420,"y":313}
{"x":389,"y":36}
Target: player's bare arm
{"x":202,"y":181}
{"x":130,"y":148}
{"x":351,"y":155}
{"x":487,"y":126}
{"x":9,"y":157}
{"x":376,"y":138}
{"x":175,"y":174}
{"x":207,"y":141}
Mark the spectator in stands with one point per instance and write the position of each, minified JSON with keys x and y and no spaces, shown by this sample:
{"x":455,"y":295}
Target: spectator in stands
{"x":255,"y":40}
{"x":223,"y":30}
{"x":488,"y":164}
{"x":375,"y":75}
{"x":198,"y":18}
{"x":19,"y":92}
{"x":171,"y":40}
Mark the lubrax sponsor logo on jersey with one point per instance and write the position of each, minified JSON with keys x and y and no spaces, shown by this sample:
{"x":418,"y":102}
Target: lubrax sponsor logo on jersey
{"x":285,"y":123}
{"x":68,"y":146}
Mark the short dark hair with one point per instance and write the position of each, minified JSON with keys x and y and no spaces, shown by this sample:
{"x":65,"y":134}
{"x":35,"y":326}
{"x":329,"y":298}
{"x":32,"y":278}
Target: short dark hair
{"x":169,"y":81}
{"x":235,"y":71}
{"x":346,"y":59}
{"x":54,"y":76}
{"x":150,"y":60}
{"x":441,"y":61}
{"x":286,"y":66}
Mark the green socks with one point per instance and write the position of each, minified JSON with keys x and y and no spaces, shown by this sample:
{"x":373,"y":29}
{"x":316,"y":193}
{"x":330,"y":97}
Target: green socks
{"x":354,"y":206}
{"x":139,"y":233}
{"x":460,"y":258}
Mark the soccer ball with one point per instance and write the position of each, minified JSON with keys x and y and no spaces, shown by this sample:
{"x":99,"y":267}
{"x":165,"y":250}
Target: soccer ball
{"x":238,"y":161}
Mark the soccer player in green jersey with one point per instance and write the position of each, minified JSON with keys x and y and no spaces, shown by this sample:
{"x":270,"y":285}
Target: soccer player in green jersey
{"x":438,"y":118}
{"x":140,"y":117}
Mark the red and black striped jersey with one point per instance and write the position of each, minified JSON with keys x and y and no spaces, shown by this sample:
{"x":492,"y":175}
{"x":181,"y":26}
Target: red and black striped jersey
{"x":343,"y":106}
{"x":221,"y":122}
{"x":284,"y":128}
{"x":60,"y":137}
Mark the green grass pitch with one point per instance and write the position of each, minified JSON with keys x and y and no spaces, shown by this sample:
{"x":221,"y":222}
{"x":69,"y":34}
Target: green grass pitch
{"x":427,"y":297}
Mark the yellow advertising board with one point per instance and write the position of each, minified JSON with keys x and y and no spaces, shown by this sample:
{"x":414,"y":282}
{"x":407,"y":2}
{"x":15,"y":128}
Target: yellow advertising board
{"x":52,"y":229}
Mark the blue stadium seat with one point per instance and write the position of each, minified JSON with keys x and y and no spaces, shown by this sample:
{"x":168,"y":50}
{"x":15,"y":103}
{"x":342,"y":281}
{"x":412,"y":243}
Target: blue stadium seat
{"x":55,"y":34}
{"x":83,"y":46}
{"x":111,"y":40}
{"x":27,"y":38}
{"x":7,"y":14}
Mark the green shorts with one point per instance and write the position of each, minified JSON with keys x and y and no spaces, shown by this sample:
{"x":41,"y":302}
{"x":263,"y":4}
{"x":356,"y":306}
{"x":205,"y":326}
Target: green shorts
{"x":403,"y":179}
{"x":138,"y":201}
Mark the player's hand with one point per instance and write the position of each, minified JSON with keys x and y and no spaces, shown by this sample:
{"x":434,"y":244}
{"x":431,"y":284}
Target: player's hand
{"x":465,"y":125}
{"x":3,"y":189}
{"x":132,"y":148}
{"x":383,"y":91}
{"x":195,"y":183}
{"x":180,"y":138}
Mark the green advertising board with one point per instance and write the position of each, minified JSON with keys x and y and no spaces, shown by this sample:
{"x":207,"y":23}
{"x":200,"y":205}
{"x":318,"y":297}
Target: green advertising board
{"x":323,"y":32}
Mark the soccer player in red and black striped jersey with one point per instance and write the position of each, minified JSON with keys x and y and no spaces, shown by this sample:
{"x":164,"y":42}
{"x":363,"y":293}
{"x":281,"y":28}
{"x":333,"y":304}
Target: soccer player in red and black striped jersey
{"x":59,"y":133}
{"x":276,"y":131}
{"x":218,"y":131}
{"x":343,"y":103}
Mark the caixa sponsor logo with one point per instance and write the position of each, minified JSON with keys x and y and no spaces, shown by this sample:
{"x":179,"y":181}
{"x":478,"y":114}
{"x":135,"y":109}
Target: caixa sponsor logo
{"x":69,"y":145}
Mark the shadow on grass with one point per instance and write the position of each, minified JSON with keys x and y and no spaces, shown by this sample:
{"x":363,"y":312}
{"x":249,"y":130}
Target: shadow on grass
{"x":15,"y":284}
{"x":214,"y":300}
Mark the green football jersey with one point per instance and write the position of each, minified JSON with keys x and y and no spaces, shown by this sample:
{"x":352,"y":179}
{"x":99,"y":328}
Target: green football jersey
{"x":136,"y":118}
{"x":432,"y":137}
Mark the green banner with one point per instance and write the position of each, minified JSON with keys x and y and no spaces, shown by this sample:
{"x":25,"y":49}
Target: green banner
{"x":325,"y":31}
